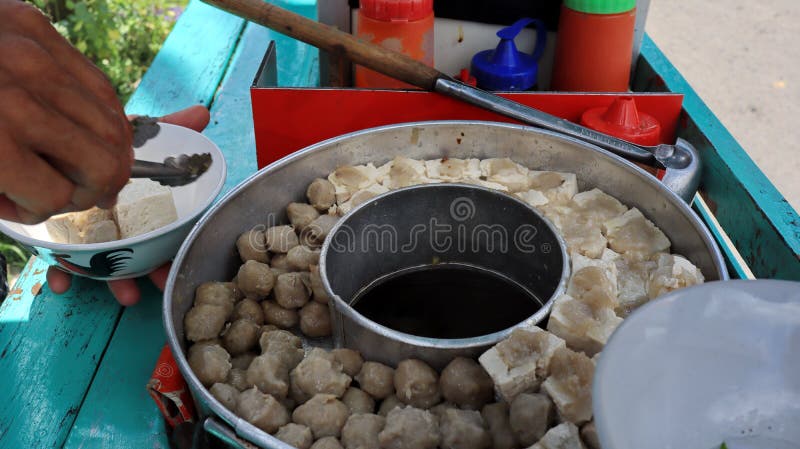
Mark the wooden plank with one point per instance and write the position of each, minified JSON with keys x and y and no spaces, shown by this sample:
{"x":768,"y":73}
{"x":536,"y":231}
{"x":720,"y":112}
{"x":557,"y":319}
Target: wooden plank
{"x":49,"y":348}
{"x":117,"y":411}
{"x":758,"y":219}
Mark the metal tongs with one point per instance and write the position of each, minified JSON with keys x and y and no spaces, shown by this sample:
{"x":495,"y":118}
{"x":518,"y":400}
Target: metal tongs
{"x":175,"y":170}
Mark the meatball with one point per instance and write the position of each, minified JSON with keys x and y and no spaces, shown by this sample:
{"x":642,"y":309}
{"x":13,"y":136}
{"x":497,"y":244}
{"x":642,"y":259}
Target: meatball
{"x":290,"y":291}
{"x":409,"y":428}
{"x":210,"y":363}
{"x":358,"y":401}
{"x":296,"y":435}
{"x":530,"y":416}
{"x":279,"y":316}
{"x":280,"y":239}
{"x":204,"y":322}
{"x":464,"y":429}
{"x":361,"y":431}
{"x":237,"y":378}
{"x":320,"y":374}
{"x":464,"y":382}
{"x":376,"y":379}
{"x":589,"y":435}
{"x":301,"y":214}
{"x":220,"y":294}
{"x":321,"y":194}
{"x":285,"y":345}
{"x":255,"y":279}
{"x":315,"y":233}
{"x":241,"y":336}
{"x":250,"y":310}
{"x":242,"y":361}
{"x":327,"y":443}
{"x":225,"y":394}
{"x":417,"y":384}
{"x":262,"y":410}
{"x":317,"y":287}
{"x":301,"y":257}
{"x":390,"y":403}
{"x":252,"y":245}
{"x":269,"y":373}
{"x":351,"y":360}
{"x":439,"y":409}
{"x":496,"y":416}
{"x":315,"y":320}
{"x":281,"y":263}
{"x":323,"y":414}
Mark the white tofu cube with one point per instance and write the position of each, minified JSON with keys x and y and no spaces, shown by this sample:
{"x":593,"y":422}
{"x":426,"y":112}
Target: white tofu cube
{"x":94,"y":225}
{"x":143,"y":206}
{"x":101,"y":231}
{"x":597,"y":206}
{"x":583,"y":237}
{"x":453,"y":170}
{"x":521,"y":362}
{"x":672,"y":272}
{"x":591,"y":285}
{"x":349,"y":179}
{"x":359,"y":197}
{"x":634,"y":236}
{"x":570,"y":385}
{"x":506,"y":172}
{"x":605,"y":263}
{"x":487,"y":184}
{"x":632,"y":279}
{"x":404,"y":172}
{"x":562,"y":436}
{"x":62,"y":229}
{"x":534,"y":198}
{"x":584,"y":326}
{"x":558,"y":187}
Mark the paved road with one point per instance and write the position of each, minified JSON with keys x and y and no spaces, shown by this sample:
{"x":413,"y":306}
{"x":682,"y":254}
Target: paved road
{"x":743,"y":58}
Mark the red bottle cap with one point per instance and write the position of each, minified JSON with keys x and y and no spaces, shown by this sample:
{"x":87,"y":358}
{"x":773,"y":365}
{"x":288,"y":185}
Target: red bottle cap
{"x":388,"y":10}
{"x":466,"y":78}
{"x":622,"y":120}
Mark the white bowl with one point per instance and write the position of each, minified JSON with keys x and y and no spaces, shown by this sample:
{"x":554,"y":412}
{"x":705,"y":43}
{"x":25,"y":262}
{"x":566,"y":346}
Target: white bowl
{"x":142,"y":254}
{"x":719,"y":362}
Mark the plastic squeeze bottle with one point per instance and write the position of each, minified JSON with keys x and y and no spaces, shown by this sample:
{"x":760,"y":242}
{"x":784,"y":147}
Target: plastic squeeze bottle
{"x":401,"y":25}
{"x":594,"y":45}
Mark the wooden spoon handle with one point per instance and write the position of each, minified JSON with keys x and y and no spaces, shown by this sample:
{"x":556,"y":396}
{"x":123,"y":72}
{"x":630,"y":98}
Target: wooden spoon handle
{"x":330,"y":39}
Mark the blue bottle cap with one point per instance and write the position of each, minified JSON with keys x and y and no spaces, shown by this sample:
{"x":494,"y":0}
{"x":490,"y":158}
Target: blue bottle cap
{"x":505,"y":67}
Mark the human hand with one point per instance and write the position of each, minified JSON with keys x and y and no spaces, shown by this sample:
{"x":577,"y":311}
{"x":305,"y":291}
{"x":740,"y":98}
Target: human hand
{"x":125,"y":290}
{"x":65,"y":142}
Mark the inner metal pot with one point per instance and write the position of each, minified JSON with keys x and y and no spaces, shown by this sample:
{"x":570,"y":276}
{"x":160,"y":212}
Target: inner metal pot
{"x":433,"y":225}
{"x":209,"y":252}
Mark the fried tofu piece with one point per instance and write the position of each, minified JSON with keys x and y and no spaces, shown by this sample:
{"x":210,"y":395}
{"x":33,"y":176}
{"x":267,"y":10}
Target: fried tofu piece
{"x":453,"y":170}
{"x":584,"y":324}
{"x":634,"y":236}
{"x":558,"y":187}
{"x":404,"y":172}
{"x":349,"y":179}
{"x":534,"y":198}
{"x":632,"y":279}
{"x":562,"y":436}
{"x":597,"y":206}
{"x":570,"y":385}
{"x":672,"y":272}
{"x":505,"y":172}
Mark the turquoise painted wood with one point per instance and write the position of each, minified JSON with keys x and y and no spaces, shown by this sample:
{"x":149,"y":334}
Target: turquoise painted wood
{"x":49,"y":348}
{"x":758,"y":219}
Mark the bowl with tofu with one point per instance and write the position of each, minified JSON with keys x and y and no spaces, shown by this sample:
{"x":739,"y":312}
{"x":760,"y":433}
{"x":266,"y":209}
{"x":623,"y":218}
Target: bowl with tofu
{"x":143,"y":230}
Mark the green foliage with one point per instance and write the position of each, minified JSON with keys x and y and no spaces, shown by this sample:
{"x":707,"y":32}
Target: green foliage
{"x":16,"y":257}
{"x":119,"y":36}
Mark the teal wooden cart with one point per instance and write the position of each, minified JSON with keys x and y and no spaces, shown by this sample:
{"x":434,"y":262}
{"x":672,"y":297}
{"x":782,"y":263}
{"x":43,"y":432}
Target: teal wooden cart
{"x":73,"y":368}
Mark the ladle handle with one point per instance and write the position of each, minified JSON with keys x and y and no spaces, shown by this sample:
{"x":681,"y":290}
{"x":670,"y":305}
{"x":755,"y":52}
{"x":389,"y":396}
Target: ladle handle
{"x":334,"y":41}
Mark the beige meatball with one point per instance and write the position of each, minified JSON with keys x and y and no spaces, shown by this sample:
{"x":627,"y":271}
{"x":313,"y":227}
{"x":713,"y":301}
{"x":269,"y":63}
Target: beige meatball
{"x":296,"y":435}
{"x":301,"y":214}
{"x":417,"y":384}
{"x":220,"y":294}
{"x":242,"y":361}
{"x":496,"y":417}
{"x":464,"y":429}
{"x":388,"y":404}
{"x":323,"y":414}
{"x":210,"y":363}
{"x":285,"y":345}
{"x":327,"y":443}
{"x":270,"y":375}
{"x":317,"y":287}
{"x":351,"y":360}
{"x":409,"y":428}
{"x":280,"y":239}
{"x":530,"y":416}
{"x":252,"y":245}
{"x":241,"y":336}
{"x":358,"y":401}
{"x":279,"y":316}
{"x":315,"y":233}
{"x":376,"y":379}
{"x":361,"y":431}
{"x":237,"y":378}
{"x":226,"y":394}
{"x":315,"y":320}
{"x":317,"y":374}
{"x":466,"y":383}
{"x":290,"y":291}
{"x":439,"y":409}
{"x":204,"y":322}
{"x":321,"y":194}
{"x":295,"y":392}
{"x":300,"y":258}
{"x":262,"y":410}
{"x":248,"y":309}
{"x":280,"y":262}
{"x":255,"y":279}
